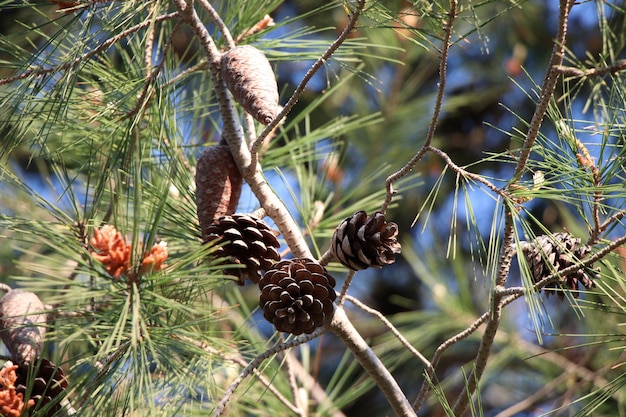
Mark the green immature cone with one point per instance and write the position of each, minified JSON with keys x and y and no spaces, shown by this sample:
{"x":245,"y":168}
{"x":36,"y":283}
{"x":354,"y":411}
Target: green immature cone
{"x":22,"y":325}
{"x":249,"y":76}
{"x":218,"y":186}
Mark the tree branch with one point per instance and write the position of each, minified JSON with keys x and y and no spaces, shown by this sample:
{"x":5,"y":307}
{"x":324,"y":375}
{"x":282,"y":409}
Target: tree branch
{"x":436,"y":112}
{"x":343,"y":328}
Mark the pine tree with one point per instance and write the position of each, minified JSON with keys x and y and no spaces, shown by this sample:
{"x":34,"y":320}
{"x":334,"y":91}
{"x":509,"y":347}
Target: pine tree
{"x":285,"y":208}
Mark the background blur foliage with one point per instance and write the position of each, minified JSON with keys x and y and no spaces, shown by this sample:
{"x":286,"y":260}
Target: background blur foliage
{"x":77,"y":152}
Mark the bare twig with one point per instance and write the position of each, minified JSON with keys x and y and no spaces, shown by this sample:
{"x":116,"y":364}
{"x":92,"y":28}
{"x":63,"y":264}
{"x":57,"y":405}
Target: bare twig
{"x":293,"y":384}
{"x":360,"y":4}
{"x":101,"y":48}
{"x":343,"y":328}
{"x":466,"y":174}
{"x":326,"y":258}
{"x":346,"y":285}
{"x":430,"y":371}
{"x":592,"y":72}
{"x":257,"y":361}
{"x":445,"y":48}
{"x":240,"y":361}
{"x":391,"y":328}
{"x":230,"y":43}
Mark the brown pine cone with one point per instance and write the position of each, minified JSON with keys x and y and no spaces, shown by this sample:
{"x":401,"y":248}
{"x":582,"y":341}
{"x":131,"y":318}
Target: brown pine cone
{"x":297,"y":296}
{"x":249,"y":76}
{"x":363,"y":241}
{"x":247,"y":241}
{"x":48,"y":386}
{"x":218,"y":185}
{"x":548,"y":254}
{"x":22,"y":325}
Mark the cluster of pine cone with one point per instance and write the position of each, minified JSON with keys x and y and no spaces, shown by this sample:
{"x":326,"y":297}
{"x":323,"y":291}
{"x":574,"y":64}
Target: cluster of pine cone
{"x":297,"y":295}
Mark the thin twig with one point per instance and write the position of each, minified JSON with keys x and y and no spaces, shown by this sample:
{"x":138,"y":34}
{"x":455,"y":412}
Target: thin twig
{"x":592,"y":72}
{"x":293,"y":384}
{"x":230,"y":43}
{"x":346,"y":285}
{"x":425,"y":388}
{"x":391,"y":328}
{"x":445,"y":48}
{"x":326,"y":257}
{"x":615,"y":217}
{"x":257,"y":361}
{"x":343,"y":328}
{"x":149,"y":43}
{"x":467,"y":174}
{"x":101,"y":48}
{"x":240,"y":361}
{"x":360,"y":4}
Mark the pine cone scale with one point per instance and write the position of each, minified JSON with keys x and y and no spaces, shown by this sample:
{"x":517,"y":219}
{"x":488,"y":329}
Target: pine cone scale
{"x":363,"y":241}
{"x":297,"y":296}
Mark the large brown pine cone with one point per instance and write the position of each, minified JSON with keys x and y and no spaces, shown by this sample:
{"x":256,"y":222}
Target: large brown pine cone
{"x":218,"y":185}
{"x":48,"y":386}
{"x":249,"y":76}
{"x":297,"y":296}
{"x":22,"y":325}
{"x":363,"y":241}
{"x":548,"y":254}
{"x":247,"y":241}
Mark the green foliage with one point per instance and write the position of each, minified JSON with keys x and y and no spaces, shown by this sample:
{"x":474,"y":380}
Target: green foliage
{"x":105,"y":109}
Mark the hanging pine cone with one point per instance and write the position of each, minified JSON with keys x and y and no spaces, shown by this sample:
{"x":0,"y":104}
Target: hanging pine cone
{"x":297,"y":296}
{"x":363,"y":241}
{"x":218,"y":186}
{"x":247,"y":241}
{"x":47,"y":384}
{"x":548,"y":254}
{"x":22,"y":325}
{"x":251,"y":80}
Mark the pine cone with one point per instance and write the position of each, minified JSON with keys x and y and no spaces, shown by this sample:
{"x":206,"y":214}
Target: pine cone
{"x":22,"y":325}
{"x":251,"y":80}
{"x":218,"y":185}
{"x":297,"y":296}
{"x":247,"y":241}
{"x":548,"y":254}
{"x":48,"y":386}
{"x":363,"y":241}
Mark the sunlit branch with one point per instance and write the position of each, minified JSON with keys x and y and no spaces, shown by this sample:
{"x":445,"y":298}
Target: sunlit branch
{"x":360,"y":4}
{"x":592,"y":72}
{"x":436,"y":112}
{"x":343,"y":328}
{"x":103,"y":47}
